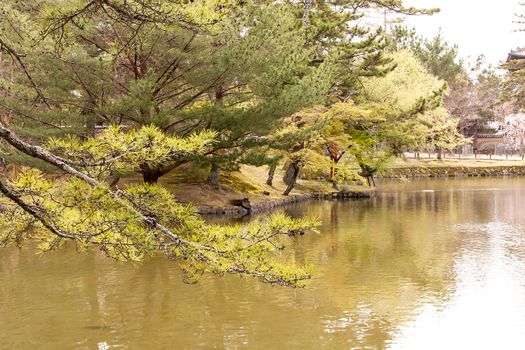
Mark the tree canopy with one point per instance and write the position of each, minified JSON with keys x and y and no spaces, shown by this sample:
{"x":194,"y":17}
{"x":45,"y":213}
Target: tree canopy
{"x":94,"y":90}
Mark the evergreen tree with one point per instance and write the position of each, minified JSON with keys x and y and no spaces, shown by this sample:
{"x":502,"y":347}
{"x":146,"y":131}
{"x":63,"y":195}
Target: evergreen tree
{"x":169,"y":82}
{"x":437,"y":55}
{"x":233,"y":68}
{"x":140,"y":221}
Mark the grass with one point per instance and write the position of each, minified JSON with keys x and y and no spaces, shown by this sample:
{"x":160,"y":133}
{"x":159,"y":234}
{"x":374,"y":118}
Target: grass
{"x":434,"y":163}
{"x":248,"y":182}
{"x":189,"y":183}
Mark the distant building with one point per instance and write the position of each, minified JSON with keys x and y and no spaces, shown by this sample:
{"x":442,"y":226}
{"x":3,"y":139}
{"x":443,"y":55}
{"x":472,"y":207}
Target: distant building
{"x":487,"y":137}
{"x":497,"y":137}
{"x":515,"y":55}
{"x":490,"y":138}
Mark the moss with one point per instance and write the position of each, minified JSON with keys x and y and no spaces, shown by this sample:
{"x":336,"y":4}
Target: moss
{"x":238,"y":182}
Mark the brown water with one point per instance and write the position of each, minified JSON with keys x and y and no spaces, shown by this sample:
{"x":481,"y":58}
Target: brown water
{"x":432,"y":264}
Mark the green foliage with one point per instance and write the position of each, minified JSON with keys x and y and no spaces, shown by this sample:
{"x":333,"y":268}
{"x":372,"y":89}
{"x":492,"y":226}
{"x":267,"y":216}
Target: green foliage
{"x":210,"y":81}
{"x":414,"y":97}
{"x":405,"y":85}
{"x":470,"y":97}
{"x":437,"y":55}
{"x":367,"y":127}
{"x":399,"y":110}
{"x":346,"y":171}
{"x":185,"y":68}
{"x":115,"y":151}
{"x":442,"y":130}
{"x":511,"y":86}
{"x":235,"y":68}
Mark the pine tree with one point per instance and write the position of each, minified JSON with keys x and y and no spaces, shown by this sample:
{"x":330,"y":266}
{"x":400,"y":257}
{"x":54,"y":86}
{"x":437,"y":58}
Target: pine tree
{"x":438,"y":56}
{"x":234,"y":68}
{"x":134,"y":223}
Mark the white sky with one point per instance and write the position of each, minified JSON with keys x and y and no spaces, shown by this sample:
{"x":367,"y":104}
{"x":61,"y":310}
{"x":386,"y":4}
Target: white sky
{"x":477,"y":26}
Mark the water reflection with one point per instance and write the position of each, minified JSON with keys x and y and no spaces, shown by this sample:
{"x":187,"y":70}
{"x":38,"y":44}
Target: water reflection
{"x":429,"y":264}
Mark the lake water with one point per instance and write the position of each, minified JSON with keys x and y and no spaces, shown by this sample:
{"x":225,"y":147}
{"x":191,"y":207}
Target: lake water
{"x":430,"y":264}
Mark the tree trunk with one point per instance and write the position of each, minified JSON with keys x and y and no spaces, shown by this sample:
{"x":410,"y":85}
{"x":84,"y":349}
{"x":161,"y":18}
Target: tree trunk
{"x":292,"y":173}
{"x":151,"y":176}
{"x":215,"y":173}
{"x":3,"y":167}
{"x":371,"y":181}
{"x":113,"y":180}
{"x":271,"y":174}
{"x":440,"y":153}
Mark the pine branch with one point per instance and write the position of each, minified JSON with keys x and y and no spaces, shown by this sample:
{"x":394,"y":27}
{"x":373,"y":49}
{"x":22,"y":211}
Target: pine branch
{"x":18,"y":57}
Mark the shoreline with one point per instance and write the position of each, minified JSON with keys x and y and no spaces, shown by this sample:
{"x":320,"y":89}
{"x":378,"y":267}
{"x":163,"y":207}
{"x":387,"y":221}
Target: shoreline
{"x":407,"y":172}
{"x":272,"y":204}
{"x":453,"y":171}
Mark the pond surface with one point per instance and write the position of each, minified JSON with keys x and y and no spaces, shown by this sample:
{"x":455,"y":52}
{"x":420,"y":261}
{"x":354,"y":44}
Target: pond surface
{"x":431,"y":264}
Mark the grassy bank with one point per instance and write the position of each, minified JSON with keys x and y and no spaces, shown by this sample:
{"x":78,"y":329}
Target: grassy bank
{"x":249,"y":182}
{"x":454,"y":167}
{"x":190,"y":186}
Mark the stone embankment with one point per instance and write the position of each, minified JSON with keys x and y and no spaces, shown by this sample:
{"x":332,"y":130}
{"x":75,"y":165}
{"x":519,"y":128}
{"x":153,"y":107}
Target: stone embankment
{"x":459,"y":171}
{"x":273,"y":204}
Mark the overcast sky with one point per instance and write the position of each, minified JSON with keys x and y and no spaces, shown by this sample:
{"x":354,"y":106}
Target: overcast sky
{"x":477,"y":26}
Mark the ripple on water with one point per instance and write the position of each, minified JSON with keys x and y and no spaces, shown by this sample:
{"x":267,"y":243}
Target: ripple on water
{"x":428,"y":265}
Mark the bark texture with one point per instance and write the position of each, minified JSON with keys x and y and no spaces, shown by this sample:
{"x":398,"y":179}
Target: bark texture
{"x":214,"y":177}
{"x":290,"y":178}
{"x":271,"y":174}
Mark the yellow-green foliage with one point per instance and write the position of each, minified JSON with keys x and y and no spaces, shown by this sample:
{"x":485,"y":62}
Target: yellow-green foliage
{"x":318,"y":164}
{"x":407,"y":83}
{"x":346,"y":171}
{"x":347,"y":128}
{"x":442,"y":130}
{"x":116,"y":150}
{"x":92,"y":218}
{"x":406,"y":87}
{"x":143,"y":220}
